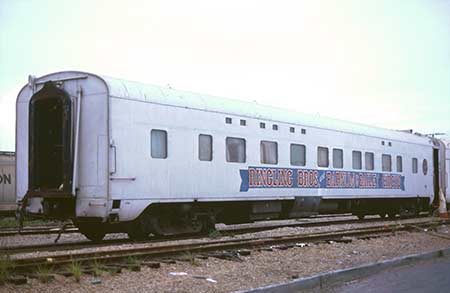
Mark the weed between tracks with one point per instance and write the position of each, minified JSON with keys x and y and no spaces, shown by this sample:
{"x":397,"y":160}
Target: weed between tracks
{"x":97,"y":268}
{"x":6,"y":267}
{"x":11,"y":222}
{"x":75,"y":269}
{"x":44,"y":273}
{"x":190,"y":258}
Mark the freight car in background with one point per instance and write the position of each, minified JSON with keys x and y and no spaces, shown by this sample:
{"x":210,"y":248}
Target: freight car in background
{"x":8,"y":205}
{"x":120,"y":156}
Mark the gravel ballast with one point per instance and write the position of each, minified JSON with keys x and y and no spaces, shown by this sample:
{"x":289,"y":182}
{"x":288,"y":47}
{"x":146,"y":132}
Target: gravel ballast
{"x":258,"y":269}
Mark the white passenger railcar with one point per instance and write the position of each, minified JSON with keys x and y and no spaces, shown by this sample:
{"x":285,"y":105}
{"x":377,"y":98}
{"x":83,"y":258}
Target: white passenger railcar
{"x":116,"y":155}
{"x":8,"y":205}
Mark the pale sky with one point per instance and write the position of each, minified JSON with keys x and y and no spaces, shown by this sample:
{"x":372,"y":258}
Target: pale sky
{"x":382,"y":63}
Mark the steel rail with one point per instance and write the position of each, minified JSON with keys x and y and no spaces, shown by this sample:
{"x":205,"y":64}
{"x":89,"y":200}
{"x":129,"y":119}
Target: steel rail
{"x":232,"y":230}
{"x":151,"y":250}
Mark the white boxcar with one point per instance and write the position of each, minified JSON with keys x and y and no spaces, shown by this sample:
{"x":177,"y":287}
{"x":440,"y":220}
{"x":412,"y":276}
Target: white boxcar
{"x":109,"y":151}
{"x":7,"y":183}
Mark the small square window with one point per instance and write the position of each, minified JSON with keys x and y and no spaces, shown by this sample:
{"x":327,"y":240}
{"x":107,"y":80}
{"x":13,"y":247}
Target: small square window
{"x":275,"y":127}
{"x":389,"y":143}
{"x":262,"y":125}
{"x":292,"y":129}
{"x":228,"y":120}
{"x":382,"y":142}
{"x":303,"y":131}
{"x":243,"y":122}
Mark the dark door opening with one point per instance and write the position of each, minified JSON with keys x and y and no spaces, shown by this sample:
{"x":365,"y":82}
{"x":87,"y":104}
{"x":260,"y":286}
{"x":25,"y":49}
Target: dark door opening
{"x":436,"y":175}
{"x":50,"y":141}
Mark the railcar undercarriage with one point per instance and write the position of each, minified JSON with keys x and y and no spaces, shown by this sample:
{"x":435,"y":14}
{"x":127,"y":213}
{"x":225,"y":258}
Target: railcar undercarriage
{"x":200,"y":218}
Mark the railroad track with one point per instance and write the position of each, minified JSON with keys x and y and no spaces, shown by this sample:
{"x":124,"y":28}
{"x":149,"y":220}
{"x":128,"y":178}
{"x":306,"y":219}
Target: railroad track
{"x":233,"y":230}
{"x":55,"y":229}
{"x":312,"y":221}
{"x":157,"y":250}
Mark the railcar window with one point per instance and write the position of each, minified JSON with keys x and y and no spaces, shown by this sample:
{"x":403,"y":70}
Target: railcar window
{"x":356,"y":160}
{"x":275,"y":127}
{"x":228,"y":120}
{"x":369,"y":161}
{"x":243,"y":122}
{"x":205,"y":147}
{"x":303,"y":131}
{"x":159,"y":144}
{"x":425,"y":167}
{"x":235,"y":150}
{"x":338,"y":158}
{"x":386,"y":163}
{"x":292,"y":129}
{"x":262,"y":125}
{"x":399,"y":164}
{"x":414,"y":165}
{"x":322,"y":157}
{"x":298,"y":155}
{"x":269,"y":152}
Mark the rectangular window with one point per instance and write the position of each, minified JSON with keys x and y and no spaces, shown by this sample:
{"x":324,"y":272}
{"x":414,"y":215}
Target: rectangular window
{"x":292,"y":129}
{"x":159,"y":144}
{"x":205,"y":147}
{"x":262,"y":125}
{"x":243,"y":122}
{"x":235,"y":149}
{"x":369,"y":161}
{"x":269,"y":152}
{"x":356,"y":160}
{"x":228,"y":120}
{"x":322,"y":157}
{"x":399,"y":164}
{"x":414,"y":165}
{"x":386,"y":163}
{"x":338,"y":158}
{"x":298,"y":155}
{"x":275,"y":127}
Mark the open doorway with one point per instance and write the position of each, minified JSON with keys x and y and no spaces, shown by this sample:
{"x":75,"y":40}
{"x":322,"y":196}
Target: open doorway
{"x":50,"y":140}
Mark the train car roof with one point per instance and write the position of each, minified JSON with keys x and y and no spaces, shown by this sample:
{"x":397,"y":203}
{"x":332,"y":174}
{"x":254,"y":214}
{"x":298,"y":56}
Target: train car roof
{"x":169,"y":96}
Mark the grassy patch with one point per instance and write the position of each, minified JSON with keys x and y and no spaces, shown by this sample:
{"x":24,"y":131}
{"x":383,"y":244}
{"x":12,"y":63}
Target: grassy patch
{"x":11,"y":222}
{"x":213,"y":234}
{"x":133,"y":261}
{"x":76,"y":270}
{"x":6,"y":267}
{"x":44,"y":273}
{"x":190,"y":258}
{"x":97,"y":268}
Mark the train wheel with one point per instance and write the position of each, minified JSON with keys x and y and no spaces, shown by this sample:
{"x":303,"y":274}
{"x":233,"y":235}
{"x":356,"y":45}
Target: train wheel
{"x":92,"y":231}
{"x":137,"y":235}
{"x":137,"y":230}
{"x":93,"y":235}
{"x":360,"y":216}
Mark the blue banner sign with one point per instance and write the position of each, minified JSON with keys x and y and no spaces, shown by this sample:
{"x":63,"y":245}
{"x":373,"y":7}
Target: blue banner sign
{"x":263,"y":177}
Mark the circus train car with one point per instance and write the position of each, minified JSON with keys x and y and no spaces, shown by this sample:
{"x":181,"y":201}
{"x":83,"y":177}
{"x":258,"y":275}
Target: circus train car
{"x":121,"y":156}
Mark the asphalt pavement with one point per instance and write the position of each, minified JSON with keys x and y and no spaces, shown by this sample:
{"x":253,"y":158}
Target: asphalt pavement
{"x":428,"y":276}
